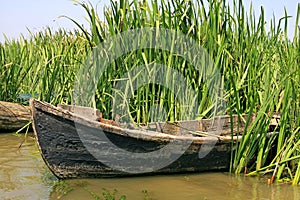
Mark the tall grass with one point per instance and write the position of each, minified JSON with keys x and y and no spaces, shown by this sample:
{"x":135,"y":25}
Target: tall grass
{"x":43,"y":66}
{"x":259,"y":70}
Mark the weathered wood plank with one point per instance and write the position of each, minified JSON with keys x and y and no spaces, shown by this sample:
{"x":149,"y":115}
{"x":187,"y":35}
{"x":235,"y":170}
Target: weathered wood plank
{"x":67,"y":156}
{"x":13,"y":116}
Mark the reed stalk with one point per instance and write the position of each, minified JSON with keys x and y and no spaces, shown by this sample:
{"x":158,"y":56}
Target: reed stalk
{"x":259,"y":70}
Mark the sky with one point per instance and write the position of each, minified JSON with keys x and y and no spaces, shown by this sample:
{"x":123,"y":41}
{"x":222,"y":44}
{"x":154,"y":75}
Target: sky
{"x":16,"y":16}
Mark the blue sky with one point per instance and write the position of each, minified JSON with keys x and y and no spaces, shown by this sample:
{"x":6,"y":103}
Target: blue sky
{"x":18,"y":15}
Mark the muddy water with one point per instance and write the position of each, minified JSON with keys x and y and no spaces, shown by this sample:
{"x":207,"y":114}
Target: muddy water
{"x":22,"y":172}
{"x":23,"y":175}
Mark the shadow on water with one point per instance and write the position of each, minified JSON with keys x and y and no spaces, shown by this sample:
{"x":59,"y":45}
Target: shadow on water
{"x":23,"y":175}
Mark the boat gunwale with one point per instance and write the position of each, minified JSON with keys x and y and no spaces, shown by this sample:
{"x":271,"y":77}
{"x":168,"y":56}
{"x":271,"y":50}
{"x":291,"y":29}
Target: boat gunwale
{"x":146,"y":135}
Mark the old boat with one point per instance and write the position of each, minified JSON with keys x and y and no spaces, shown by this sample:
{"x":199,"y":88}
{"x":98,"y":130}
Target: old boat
{"x":13,"y":116}
{"x":76,"y":142}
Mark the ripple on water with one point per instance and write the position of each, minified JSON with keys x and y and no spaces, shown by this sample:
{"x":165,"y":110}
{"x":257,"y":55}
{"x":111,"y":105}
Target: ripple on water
{"x":21,"y":169}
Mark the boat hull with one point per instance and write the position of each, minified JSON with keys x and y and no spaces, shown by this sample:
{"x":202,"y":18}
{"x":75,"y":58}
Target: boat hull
{"x":67,"y":155}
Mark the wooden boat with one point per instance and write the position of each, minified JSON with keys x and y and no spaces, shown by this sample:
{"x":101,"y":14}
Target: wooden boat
{"x":76,"y":142}
{"x":13,"y":116}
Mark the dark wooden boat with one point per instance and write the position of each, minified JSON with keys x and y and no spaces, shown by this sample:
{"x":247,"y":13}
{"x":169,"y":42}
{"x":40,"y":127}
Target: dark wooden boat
{"x":76,"y":142}
{"x":13,"y":116}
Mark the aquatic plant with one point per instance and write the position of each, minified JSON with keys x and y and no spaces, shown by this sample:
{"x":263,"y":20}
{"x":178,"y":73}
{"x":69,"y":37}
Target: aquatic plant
{"x":61,"y":189}
{"x":259,"y":69}
{"x":42,"y":66}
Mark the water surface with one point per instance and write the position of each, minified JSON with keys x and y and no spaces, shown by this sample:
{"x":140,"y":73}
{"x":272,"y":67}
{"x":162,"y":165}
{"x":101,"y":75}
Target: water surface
{"x":22,"y":171}
{"x":23,"y":175}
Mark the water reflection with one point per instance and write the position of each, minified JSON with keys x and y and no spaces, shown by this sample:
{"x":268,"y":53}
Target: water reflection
{"x":193,"y":187}
{"x":23,"y":175}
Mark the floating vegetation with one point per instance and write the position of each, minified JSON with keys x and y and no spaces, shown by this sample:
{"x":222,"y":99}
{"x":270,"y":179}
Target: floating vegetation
{"x":61,"y":189}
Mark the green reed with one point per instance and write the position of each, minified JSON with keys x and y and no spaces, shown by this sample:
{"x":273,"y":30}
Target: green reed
{"x":43,"y":65}
{"x":259,"y":70}
{"x":257,"y":67}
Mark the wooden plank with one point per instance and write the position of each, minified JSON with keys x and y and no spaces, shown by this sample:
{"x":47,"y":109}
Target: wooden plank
{"x":90,"y":113}
{"x":13,"y":116}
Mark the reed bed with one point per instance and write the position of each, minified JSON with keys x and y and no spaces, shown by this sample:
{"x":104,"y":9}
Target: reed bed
{"x":42,"y":66}
{"x":259,"y":70}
